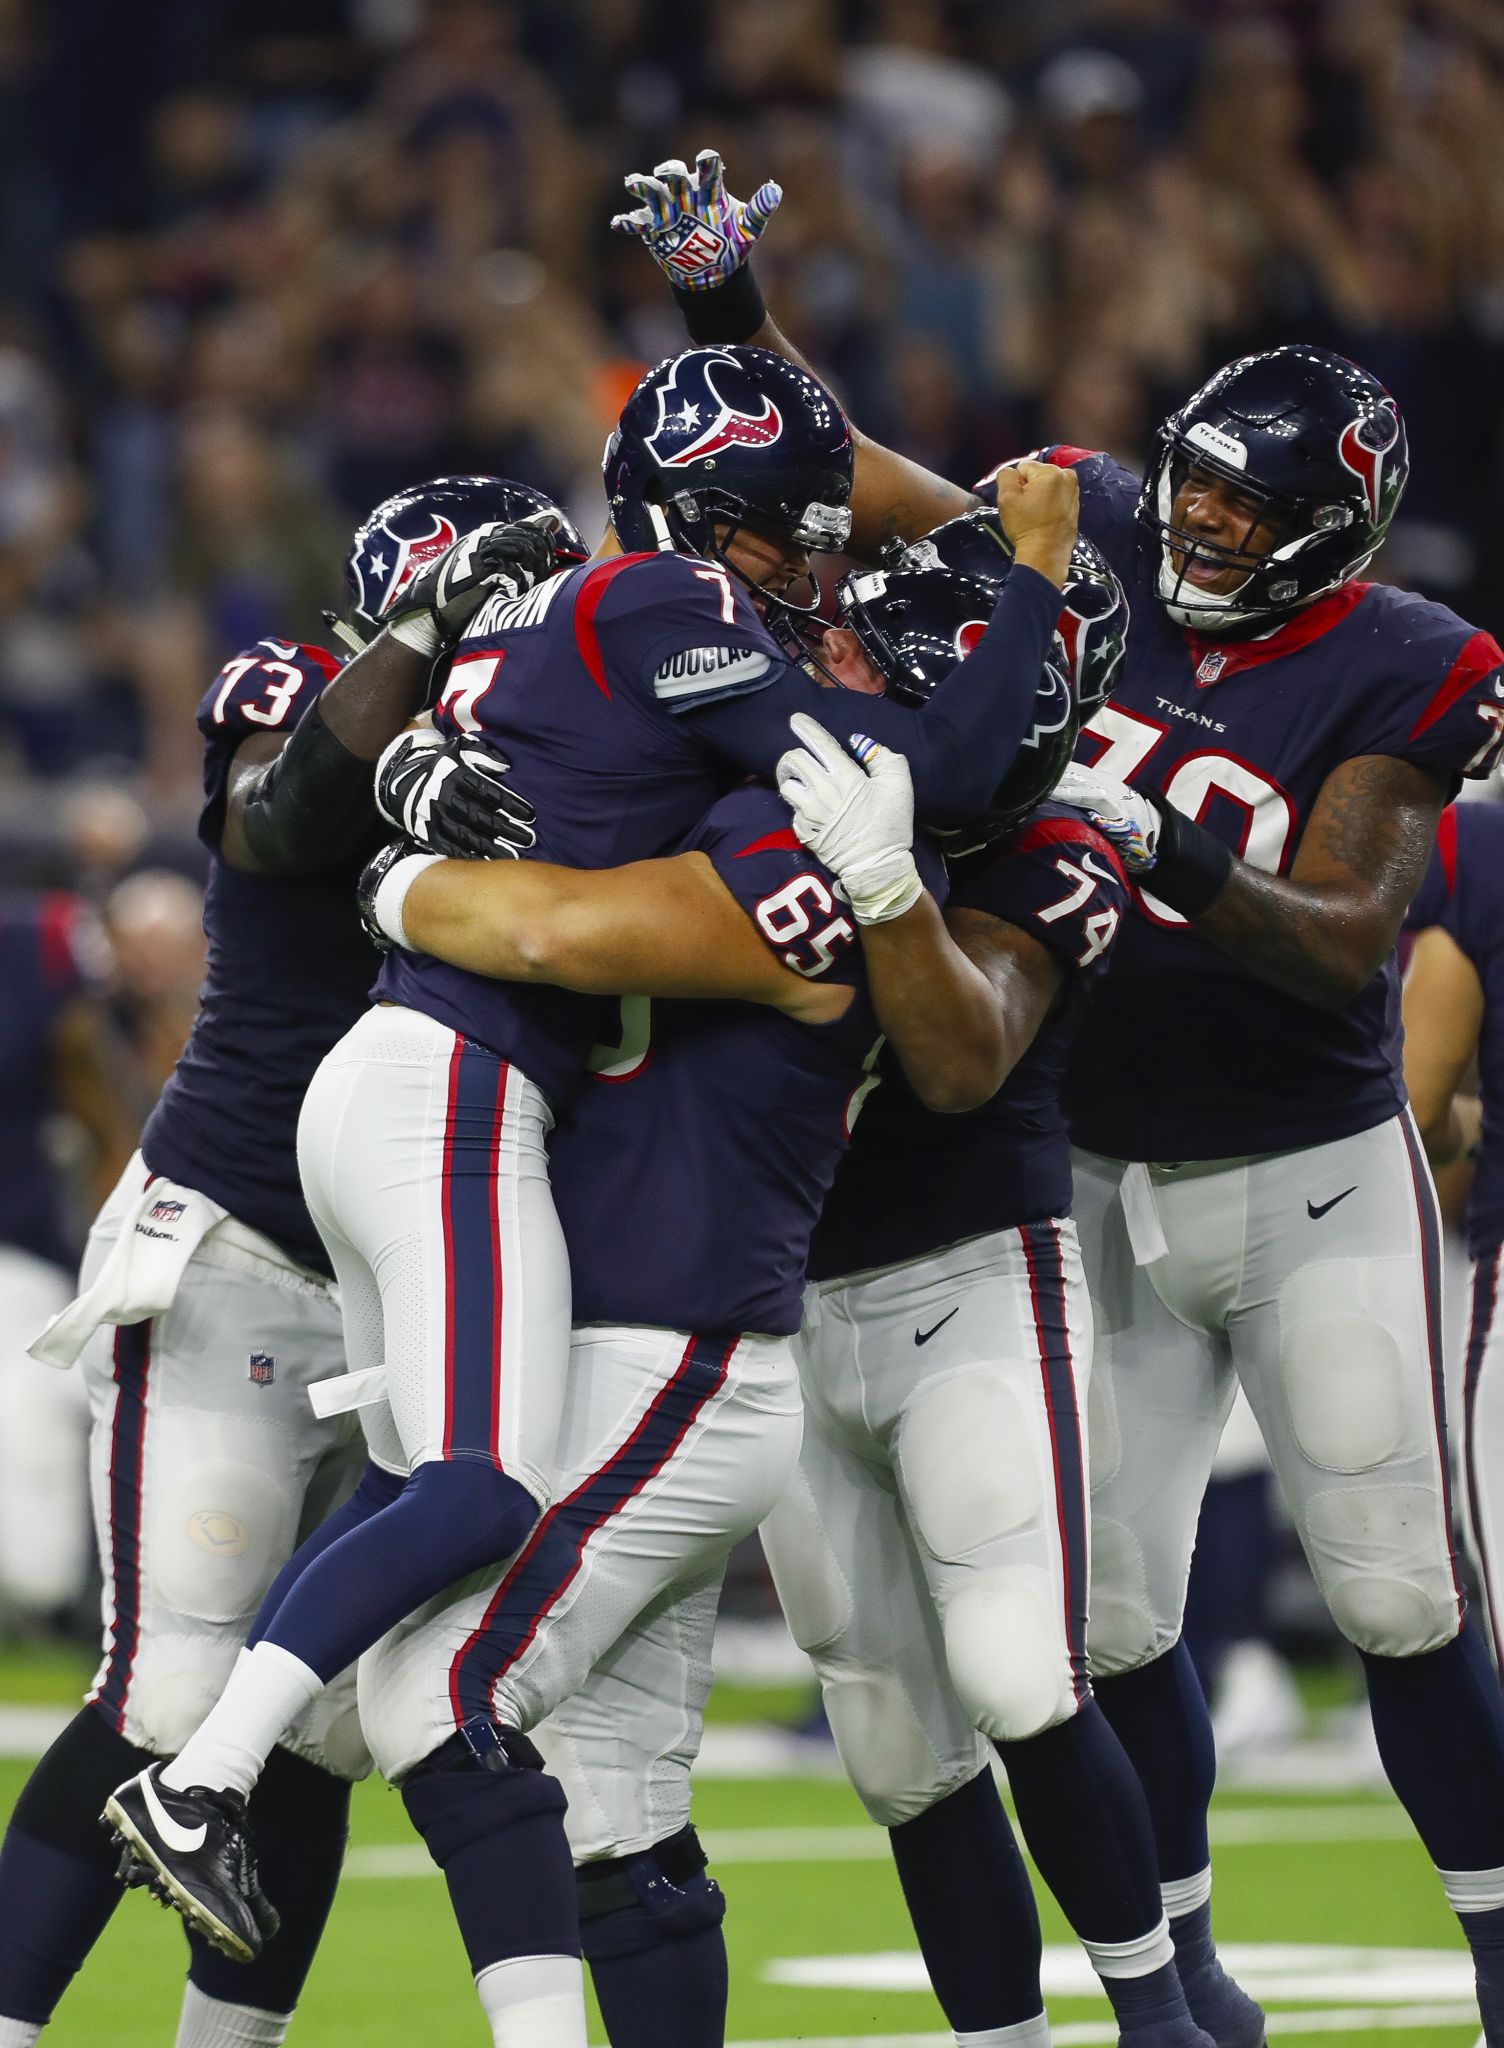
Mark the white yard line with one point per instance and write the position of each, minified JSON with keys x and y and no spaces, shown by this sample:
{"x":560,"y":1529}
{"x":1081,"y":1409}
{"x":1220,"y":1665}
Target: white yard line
{"x":1102,"y":2034}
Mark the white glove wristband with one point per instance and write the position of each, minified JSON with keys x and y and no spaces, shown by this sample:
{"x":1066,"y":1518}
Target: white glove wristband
{"x":884,"y":890}
{"x":419,"y":632}
{"x":391,"y":894}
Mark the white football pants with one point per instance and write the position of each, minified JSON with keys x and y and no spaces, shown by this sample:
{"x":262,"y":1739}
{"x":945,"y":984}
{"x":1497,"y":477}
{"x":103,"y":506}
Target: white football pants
{"x":673,"y":1447}
{"x":932,"y":1552}
{"x":424,"y":1166}
{"x":1313,"y":1279}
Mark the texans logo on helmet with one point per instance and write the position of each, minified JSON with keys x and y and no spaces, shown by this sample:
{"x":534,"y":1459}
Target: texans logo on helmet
{"x":1052,"y":705}
{"x":699,"y":412}
{"x":411,"y":555}
{"x":968,"y":635}
{"x":1362,"y":446}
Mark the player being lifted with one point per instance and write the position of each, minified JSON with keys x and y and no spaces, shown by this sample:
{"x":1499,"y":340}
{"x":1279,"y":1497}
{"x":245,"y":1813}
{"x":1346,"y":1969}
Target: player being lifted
{"x":208,"y":1306}
{"x":628,"y":694}
{"x":1279,"y":748}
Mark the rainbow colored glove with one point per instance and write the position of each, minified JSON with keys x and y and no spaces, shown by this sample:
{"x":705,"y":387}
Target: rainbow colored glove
{"x":691,"y":226}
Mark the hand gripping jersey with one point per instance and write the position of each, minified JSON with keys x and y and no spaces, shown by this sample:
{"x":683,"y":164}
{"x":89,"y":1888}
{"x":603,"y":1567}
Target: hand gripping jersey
{"x":914,"y":1181}
{"x":693,"y":1164}
{"x":289,"y":972}
{"x":627,"y":696}
{"x":43,"y":954}
{"x":1463,"y":892}
{"x":1188,"y":1055}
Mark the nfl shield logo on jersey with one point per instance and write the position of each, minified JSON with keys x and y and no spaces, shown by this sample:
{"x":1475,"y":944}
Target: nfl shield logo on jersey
{"x":263,"y":1368}
{"x":1209,"y":668}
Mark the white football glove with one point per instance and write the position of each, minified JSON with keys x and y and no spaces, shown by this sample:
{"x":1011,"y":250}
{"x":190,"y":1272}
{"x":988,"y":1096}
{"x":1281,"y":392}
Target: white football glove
{"x":856,"y":815}
{"x":690,"y":225}
{"x":1125,"y":819}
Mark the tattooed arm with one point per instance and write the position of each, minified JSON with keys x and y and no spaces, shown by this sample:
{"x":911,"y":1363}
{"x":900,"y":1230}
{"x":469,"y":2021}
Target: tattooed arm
{"x":1322,"y":931}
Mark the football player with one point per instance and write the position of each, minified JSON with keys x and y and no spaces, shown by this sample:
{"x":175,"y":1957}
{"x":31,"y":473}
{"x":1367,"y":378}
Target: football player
{"x":627,"y":694}
{"x":207,"y":1305}
{"x":689,"y":1174}
{"x":1253,"y":1200}
{"x":1453,"y":1013}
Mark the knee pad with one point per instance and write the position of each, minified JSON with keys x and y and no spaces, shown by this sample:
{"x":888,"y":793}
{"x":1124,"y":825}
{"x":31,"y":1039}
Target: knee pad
{"x":223,"y":1515}
{"x":965,"y":1452}
{"x":481,"y":1781}
{"x":888,"y":1755}
{"x":175,"y":1679}
{"x":630,"y":1904}
{"x":1380,"y":1557}
{"x":1343,"y":1366}
{"x":1123,"y":1630}
{"x":328,"y":1735}
{"x":813,"y":1590}
{"x":1009,"y":1662}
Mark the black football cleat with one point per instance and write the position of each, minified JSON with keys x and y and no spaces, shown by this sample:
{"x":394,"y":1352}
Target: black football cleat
{"x":192,"y":1850}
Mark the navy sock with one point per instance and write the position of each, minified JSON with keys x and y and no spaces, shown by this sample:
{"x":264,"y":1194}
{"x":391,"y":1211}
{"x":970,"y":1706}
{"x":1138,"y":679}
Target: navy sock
{"x":377,"y":1490}
{"x":498,"y":1837}
{"x":1155,"y":2005}
{"x":1439,"y":1722}
{"x":972,"y":1907}
{"x":1158,"y":1713}
{"x":1082,"y":1813}
{"x":650,"y":1927}
{"x":300,"y":1817}
{"x":451,"y":1518}
{"x":57,"y":1868}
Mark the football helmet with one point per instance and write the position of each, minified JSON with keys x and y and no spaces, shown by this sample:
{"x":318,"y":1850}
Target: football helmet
{"x":730,"y":437}
{"x":410,"y":528}
{"x":1317,"y":444}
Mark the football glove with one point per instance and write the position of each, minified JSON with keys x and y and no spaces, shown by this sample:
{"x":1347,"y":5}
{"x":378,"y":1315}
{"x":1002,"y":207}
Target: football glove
{"x":449,"y":796}
{"x":502,"y":559}
{"x":856,"y":815}
{"x":693,"y":229}
{"x":1128,"y":821}
{"x":384,"y":882}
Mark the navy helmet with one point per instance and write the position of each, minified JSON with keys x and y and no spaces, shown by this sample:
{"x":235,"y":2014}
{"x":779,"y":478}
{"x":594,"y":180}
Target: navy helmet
{"x":920,"y":615}
{"x":1318,"y":448}
{"x":726,"y":438}
{"x":407,"y":531}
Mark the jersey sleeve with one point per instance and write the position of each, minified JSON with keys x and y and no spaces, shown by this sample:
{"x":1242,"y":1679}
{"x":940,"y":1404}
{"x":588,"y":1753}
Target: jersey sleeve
{"x":1441,"y":700}
{"x":674,"y":632}
{"x":1058,"y":880}
{"x":791,"y":898}
{"x":267,"y":688}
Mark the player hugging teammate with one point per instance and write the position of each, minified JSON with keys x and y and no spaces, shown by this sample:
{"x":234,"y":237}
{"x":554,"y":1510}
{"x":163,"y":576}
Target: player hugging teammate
{"x":573,"y":1166}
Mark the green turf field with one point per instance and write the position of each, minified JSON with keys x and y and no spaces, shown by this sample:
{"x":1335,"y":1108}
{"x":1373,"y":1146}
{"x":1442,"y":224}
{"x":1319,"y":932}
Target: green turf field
{"x":1342,"y":1929}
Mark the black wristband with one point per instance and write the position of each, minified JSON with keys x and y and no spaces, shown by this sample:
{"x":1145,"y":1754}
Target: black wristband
{"x":1192,"y":863}
{"x":732,"y":311}
{"x":314,"y":804}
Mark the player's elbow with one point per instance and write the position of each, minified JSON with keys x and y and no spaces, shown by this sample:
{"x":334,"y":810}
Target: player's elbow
{"x":964,"y":1078}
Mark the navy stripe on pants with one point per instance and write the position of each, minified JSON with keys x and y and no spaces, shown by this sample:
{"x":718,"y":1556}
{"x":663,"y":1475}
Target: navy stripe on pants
{"x":472,"y":1251}
{"x":127,"y":1450}
{"x":1485,"y":1303}
{"x":551,"y":1557}
{"x":1041,"y":1242}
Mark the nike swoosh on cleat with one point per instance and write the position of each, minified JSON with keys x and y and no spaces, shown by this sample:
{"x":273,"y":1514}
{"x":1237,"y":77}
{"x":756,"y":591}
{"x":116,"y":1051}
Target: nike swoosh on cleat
{"x":926,"y":1336}
{"x":1315,"y":1209}
{"x":182,"y":1841}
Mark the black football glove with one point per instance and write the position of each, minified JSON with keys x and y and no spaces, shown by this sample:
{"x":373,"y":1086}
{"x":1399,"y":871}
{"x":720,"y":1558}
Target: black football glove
{"x":450,"y":796}
{"x":500,"y":560}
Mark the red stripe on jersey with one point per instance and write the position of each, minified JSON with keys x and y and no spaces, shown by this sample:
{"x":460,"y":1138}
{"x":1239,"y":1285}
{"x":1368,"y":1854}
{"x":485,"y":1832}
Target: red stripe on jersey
{"x":785,"y":841}
{"x":1063,"y":832}
{"x":328,"y":665}
{"x":1479,"y":657}
{"x":1446,"y":845}
{"x":57,"y":915}
{"x":1306,"y":626}
{"x":587,"y":602}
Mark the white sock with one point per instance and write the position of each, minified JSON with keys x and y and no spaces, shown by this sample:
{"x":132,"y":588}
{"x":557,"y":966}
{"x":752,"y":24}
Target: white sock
{"x":1184,"y":1895}
{"x":535,"y":2001}
{"x":209,"y":2023}
{"x":1473,"y":1891}
{"x":1033,"y":2033}
{"x":1138,"y":1958}
{"x":19,"y":2033}
{"x":268,"y":1689}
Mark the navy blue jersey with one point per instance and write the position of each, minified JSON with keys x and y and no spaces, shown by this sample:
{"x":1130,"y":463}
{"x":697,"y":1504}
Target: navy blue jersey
{"x":1187,"y":1055}
{"x":913,"y":1181}
{"x":691,"y":1169}
{"x":1464,"y":893}
{"x":289,"y":972}
{"x":44,"y":948}
{"x":628,"y":695}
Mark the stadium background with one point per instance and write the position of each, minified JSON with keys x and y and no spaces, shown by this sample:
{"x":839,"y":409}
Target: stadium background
{"x":262,"y":261}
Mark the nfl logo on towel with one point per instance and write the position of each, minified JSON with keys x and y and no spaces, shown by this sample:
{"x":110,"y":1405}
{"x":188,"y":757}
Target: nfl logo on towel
{"x":263,"y":1368}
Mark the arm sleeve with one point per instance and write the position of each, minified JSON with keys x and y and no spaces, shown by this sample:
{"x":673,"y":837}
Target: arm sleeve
{"x":268,"y":688}
{"x":959,"y":746}
{"x":1059,"y":881}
